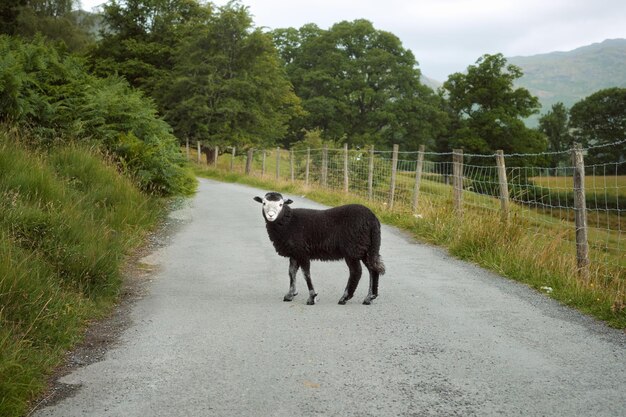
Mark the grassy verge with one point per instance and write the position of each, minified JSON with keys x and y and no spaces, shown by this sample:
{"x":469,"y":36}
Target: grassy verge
{"x":542,"y":261}
{"x":67,"y":220}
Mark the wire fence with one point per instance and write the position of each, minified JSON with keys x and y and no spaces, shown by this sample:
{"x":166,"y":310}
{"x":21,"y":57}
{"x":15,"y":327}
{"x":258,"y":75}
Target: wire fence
{"x":579,"y":208}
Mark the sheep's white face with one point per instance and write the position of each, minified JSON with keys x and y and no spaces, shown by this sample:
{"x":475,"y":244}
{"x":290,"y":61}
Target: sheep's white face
{"x":272,"y":209}
{"x":273,"y":206}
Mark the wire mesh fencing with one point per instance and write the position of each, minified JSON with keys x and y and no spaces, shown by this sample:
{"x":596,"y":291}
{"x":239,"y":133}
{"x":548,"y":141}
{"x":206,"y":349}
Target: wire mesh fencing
{"x":578,"y":207}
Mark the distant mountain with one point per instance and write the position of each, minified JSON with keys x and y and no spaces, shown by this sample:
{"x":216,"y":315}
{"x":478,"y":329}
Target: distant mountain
{"x":571,"y":76}
{"x":430,"y":82}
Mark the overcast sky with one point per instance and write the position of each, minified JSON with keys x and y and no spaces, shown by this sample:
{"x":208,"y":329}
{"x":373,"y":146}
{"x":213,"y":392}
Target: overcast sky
{"x":448,"y":35}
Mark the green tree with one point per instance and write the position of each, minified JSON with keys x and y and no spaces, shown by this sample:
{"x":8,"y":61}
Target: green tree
{"x":600,"y":119}
{"x":56,"y":20}
{"x":289,"y":41}
{"x":358,"y":84}
{"x":228,"y":86}
{"x":140,"y":38}
{"x":488,"y":110}
{"x":555,"y":125}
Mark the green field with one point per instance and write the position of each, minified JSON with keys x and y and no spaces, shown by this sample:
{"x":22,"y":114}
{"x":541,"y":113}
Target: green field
{"x":598,"y":185}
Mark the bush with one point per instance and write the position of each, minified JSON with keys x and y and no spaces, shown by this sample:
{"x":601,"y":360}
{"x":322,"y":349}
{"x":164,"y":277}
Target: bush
{"x":50,"y":93}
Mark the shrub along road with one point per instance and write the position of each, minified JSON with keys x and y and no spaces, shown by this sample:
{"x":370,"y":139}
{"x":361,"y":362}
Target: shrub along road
{"x":213,"y":337}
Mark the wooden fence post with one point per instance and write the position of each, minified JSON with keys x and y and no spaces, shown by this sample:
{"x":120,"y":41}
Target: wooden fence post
{"x":308,"y":164}
{"x":199,"y":152}
{"x":217,"y":152}
{"x":370,"y":175}
{"x":418,"y":176}
{"x":580,"y":210}
{"x":324,"y":165}
{"x":291,"y":162}
{"x":345,"y":168}
{"x":504,"y":186}
{"x":249,"y":161}
{"x":263,"y":164}
{"x":232,"y":160}
{"x":394,"y":168}
{"x":187,"y":148}
{"x":457,"y":179}
{"x":277,"y":163}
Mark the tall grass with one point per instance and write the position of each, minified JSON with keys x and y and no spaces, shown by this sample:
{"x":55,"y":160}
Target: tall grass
{"x":509,"y":249}
{"x":67,"y":220}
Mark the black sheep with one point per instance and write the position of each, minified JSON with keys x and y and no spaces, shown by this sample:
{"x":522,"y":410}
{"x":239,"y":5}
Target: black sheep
{"x":350,"y":232}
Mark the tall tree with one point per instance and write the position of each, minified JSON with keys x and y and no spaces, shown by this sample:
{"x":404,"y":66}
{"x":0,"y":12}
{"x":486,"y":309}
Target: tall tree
{"x":228,"y":86}
{"x":140,"y":38}
{"x":489,"y":110}
{"x":359,"y":84}
{"x":55,"y":20}
{"x":600,"y":119}
{"x":555,"y":125}
{"x":12,"y":10}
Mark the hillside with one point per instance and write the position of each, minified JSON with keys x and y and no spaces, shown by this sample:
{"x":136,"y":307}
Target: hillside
{"x":67,"y":219}
{"x":570,"y":76}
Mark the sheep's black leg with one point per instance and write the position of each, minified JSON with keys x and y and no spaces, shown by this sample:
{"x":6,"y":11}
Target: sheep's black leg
{"x":373,"y":291}
{"x":353,"y":280}
{"x":375,"y":276}
{"x":293,"y":270}
{"x":306,"y":269}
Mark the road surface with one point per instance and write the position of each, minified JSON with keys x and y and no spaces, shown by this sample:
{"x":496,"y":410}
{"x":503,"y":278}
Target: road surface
{"x":212,"y":336}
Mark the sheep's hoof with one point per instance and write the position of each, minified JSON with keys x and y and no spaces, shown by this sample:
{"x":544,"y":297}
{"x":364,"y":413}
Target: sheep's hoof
{"x":289,"y":297}
{"x":345,"y":298}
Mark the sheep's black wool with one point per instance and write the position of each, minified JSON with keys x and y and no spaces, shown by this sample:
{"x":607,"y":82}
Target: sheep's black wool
{"x":350,"y":232}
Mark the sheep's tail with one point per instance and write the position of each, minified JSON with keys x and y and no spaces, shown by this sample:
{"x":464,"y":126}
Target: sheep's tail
{"x":373,"y":254}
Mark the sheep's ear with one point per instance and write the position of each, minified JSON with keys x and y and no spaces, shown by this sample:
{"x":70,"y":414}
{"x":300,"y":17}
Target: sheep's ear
{"x":259,"y":199}
{"x":288,"y":201}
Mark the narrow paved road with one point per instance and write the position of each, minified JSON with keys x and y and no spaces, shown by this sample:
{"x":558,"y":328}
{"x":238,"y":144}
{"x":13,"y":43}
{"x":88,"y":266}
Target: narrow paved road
{"x":213,"y":337}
